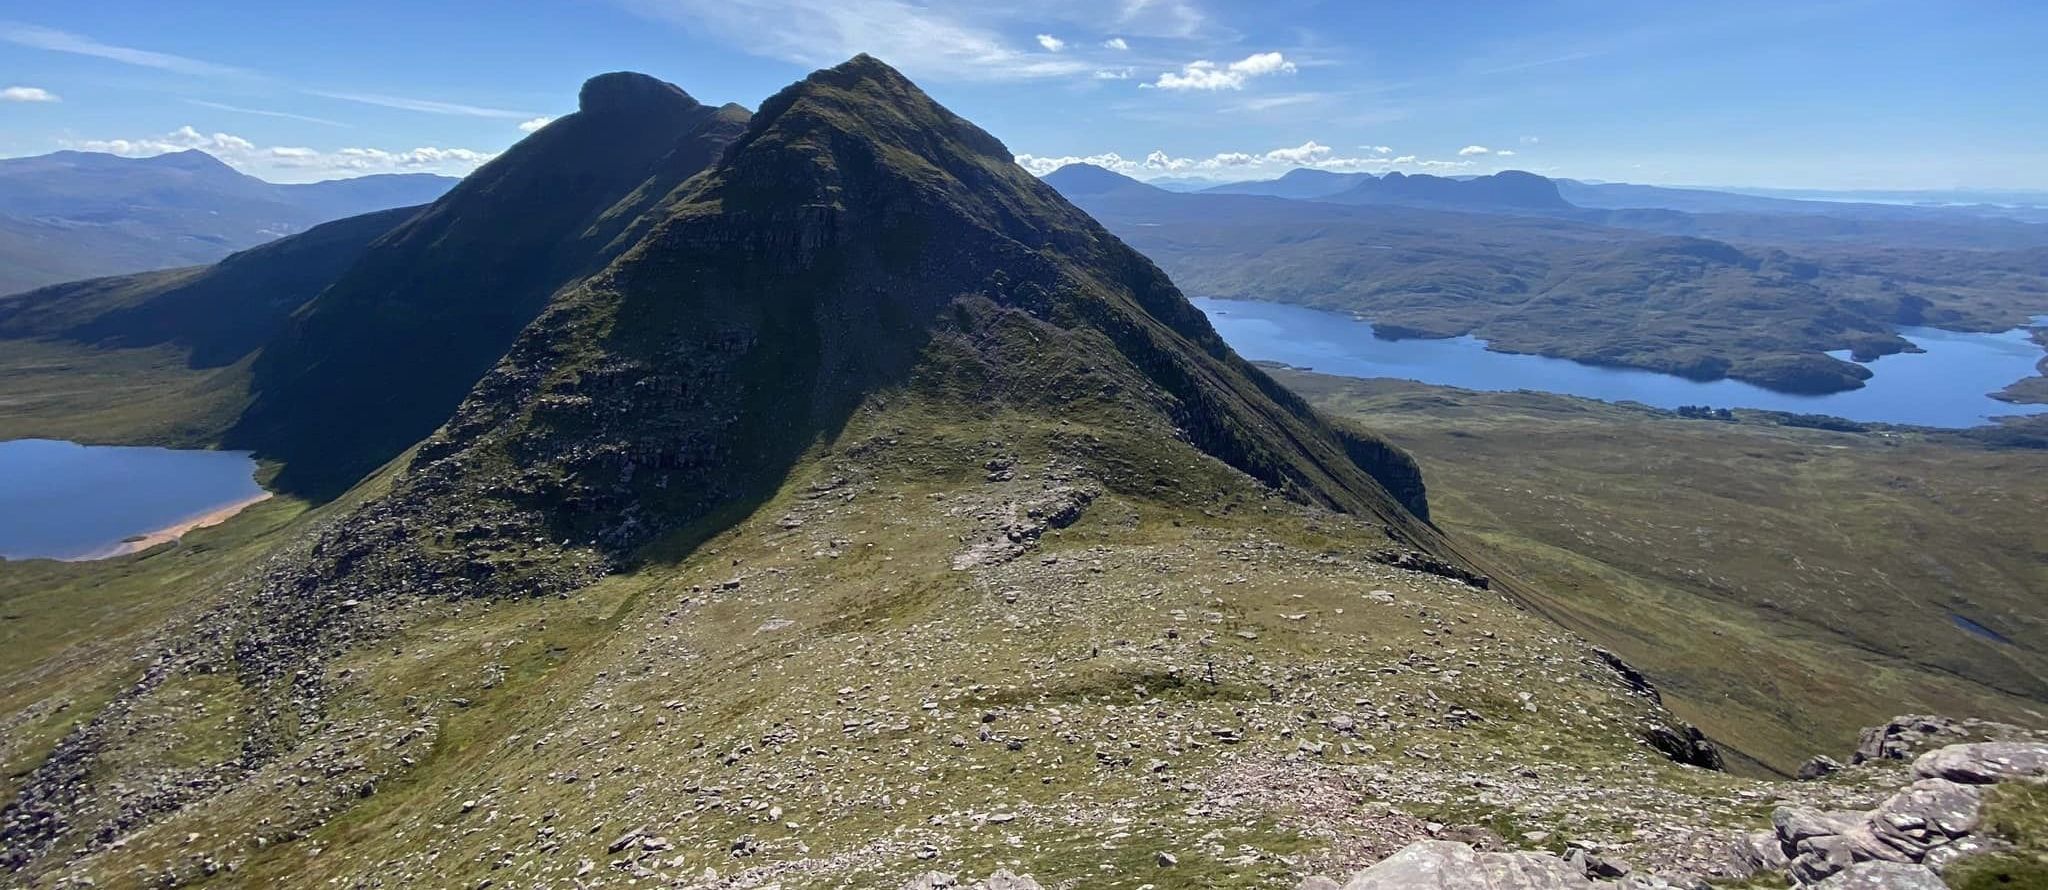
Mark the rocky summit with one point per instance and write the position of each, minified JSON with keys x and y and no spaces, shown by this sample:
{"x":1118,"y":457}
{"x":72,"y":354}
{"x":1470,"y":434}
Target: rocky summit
{"x":814,"y":498}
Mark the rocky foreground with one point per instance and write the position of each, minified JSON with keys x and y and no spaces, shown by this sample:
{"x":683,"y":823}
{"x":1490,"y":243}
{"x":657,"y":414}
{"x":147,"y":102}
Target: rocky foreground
{"x":1905,"y":843}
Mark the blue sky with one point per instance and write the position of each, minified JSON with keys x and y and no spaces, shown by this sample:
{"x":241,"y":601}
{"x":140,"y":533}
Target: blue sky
{"x":1842,"y":94}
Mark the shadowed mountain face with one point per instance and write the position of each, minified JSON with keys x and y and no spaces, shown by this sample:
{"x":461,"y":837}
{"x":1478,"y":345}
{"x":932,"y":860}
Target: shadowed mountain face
{"x":218,"y":313}
{"x":858,"y":243}
{"x":380,"y":358}
{"x":72,"y":215}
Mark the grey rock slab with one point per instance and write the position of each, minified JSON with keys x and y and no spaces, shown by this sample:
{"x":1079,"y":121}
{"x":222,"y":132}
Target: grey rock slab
{"x":1884,"y":876}
{"x":1448,"y":865}
{"x":1983,"y":763}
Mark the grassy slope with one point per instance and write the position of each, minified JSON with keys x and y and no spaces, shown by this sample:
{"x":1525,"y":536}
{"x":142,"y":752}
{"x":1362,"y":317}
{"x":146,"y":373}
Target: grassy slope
{"x":676,"y":699}
{"x":146,"y":396}
{"x":68,"y":631}
{"x":1785,"y":587}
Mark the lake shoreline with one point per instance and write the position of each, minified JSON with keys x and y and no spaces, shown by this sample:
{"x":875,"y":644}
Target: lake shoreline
{"x":174,"y":531}
{"x":1947,"y":380}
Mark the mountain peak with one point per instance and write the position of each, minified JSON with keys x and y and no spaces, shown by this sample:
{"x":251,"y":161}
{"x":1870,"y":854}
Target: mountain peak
{"x":1089,"y":179}
{"x":866,"y":98}
{"x":626,"y":91}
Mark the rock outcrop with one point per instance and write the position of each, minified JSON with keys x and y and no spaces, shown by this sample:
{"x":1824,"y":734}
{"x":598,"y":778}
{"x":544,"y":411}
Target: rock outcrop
{"x":1450,"y":865}
{"x":1915,"y":834}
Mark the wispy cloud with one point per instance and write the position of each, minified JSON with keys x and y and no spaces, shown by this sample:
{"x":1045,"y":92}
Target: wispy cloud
{"x":939,"y":41}
{"x":1284,"y":100}
{"x":1161,"y":18}
{"x":53,"y":40}
{"x":1203,"y":74}
{"x":1052,"y":44}
{"x":293,"y":163}
{"x":1470,"y":150}
{"x":27,"y":94}
{"x":1116,"y":43}
{"x":529,"y":126}
{"x":287,"y":115}
{"x":427,"y":106}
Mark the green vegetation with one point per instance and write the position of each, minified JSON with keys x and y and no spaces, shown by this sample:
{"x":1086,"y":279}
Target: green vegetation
{"x":1783,"y":586}
{"x":2018,"y":815}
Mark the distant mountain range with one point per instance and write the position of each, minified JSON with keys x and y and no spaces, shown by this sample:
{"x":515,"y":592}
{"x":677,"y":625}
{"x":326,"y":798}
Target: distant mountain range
{"x":1506,"y":190}
{"x":1518,"y":191}
{"x":73,"y":214}
{"x":1758,"y":297}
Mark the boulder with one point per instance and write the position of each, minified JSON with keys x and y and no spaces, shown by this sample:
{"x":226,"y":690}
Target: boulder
{"x":1759,"y":852}
{"x":1795,"y":824}
{"x":1448,"y":865}
{"x":1930,"y":806}
{"x":1884,"y":876}
{"x":1898,"y":739}
{"x":1820,"y":765}
{"x":1004,"y":879}
{"x":1983,"y":763}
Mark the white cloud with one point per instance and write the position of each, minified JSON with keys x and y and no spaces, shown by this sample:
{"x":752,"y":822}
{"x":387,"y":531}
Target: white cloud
{"x":535,"y":124}
{"x":1504,"y":153}
{"x":1116,"y":43}
{"x":287,"y":163}
{"x":1378,"y":149}
{"x":1114,"y":73}
{"x":27,"y":94}
{"x":1052,"y":44}
{"x":1307,"y":153}
{"x":926,"y":40}
{"x":1230,"y":165}
{"x":57,"y":41}
{"x":1203,"y":74}
{"x":1470,"y":150}
{"x":423,"y":105}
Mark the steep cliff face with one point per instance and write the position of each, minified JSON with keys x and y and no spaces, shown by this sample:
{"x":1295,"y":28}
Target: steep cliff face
{"x":857,"y":240}
{"x":379,"y":359}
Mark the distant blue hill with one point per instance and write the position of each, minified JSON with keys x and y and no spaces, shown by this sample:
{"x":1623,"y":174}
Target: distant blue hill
{"x":73,"y":214}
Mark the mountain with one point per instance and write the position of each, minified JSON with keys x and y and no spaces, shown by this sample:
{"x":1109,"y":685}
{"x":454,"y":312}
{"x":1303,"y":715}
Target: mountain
{"x":862,"y":406}
{"x":857,"y":240}
{"x":1300,"y":183}
{"x":857,"y":511}
{"x":1088,"y":180}
{"x":444,"y":293}
{"x":217,"y":314}
{"x":1506,"y":190}
{"x":72,"y":215}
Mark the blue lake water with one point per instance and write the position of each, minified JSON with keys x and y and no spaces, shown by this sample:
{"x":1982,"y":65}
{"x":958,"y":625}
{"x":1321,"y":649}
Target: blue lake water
{"x":62,"y":500}
{"x":1948,"y":385}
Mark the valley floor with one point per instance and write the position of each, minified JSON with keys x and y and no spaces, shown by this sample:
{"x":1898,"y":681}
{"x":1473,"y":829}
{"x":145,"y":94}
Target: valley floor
{"x":1783,"y":586}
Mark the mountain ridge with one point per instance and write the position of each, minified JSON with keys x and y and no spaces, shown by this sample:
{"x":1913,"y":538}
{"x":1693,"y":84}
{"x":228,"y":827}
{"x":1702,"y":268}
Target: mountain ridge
{"x":73,"y":215}
{"x":445,"y":292}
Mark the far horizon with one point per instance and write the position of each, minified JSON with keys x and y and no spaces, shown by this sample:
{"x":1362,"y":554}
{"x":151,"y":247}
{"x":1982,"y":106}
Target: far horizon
{"x":1856,"y":95}
{"x":1794,"y":193}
